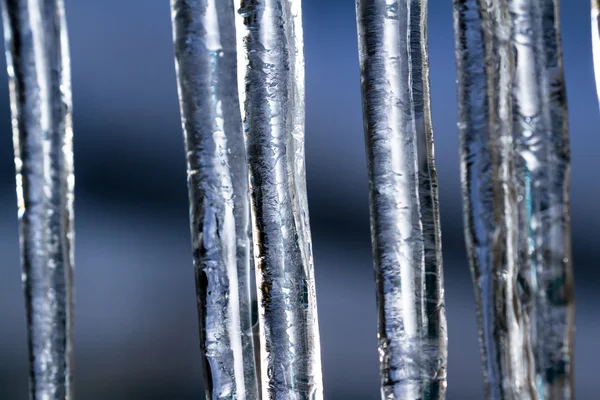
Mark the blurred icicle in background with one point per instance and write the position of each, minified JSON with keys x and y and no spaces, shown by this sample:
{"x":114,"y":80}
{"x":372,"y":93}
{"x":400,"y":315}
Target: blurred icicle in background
{"x":515,"y":166}
{"x":542,"y":162}
{"x":596,"y":41}
{"x":484,"y":70}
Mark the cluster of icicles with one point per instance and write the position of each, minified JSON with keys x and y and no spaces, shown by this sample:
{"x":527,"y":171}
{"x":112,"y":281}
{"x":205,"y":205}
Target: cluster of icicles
{"x":240,"y":72}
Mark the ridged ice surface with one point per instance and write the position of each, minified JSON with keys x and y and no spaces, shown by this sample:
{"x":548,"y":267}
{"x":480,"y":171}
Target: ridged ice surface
{"x":515,"y":170}
{"x":40,"y":92}
{"x":206,"y":61}
{"x":484,"y":72}
{"x":542,"y":172}
{"x":404,"y":201}
{"x":271,"y":77}
{"x":596,"y":41}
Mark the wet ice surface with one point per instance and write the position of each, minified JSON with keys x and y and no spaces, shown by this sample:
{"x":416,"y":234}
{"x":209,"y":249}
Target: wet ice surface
{"x":205,"y":51}
{"x":271,"y":78}
{"x":404,"y":202}
{"x":40,"y":92}
{"x":512,"y":100}
{"x":542,"y":171}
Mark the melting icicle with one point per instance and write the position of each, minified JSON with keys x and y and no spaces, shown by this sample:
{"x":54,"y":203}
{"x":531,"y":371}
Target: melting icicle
{"x":484,"y":72}
{"x":404,"y":202}
{"x":596,"y":41}
{"x":542,"y":169}
{"x":40,"y":91}
{"x":205,"y":54}
{"x":271,"y":77}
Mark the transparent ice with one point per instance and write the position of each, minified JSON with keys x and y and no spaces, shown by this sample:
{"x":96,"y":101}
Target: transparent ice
{"x":40,"y":92}
{"x":271,"y":82}
{"x":206,"y":62}
{"x":403,"y":195}
{"x":542,"y":160}
{"x":515,"y":169}
{"x":484,"y":73}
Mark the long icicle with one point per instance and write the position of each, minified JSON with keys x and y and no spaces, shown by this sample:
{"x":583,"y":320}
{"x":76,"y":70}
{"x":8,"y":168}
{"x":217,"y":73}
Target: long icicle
{"x":484,"y":72}
{"x":542,"y":148}
{"x":404,"y":201}
{"x":271,"y":78}
{"x":596,"y":42}
{"x":206,"y":63}
{"x":40,"y":91}
{"x":556,"y":312}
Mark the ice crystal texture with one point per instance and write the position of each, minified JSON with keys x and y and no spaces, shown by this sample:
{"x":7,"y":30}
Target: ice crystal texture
{"x":515,"y":164}
{"x":271,"y":82}
{"x":403,"y":195}
{"x":40,"y":93}
{"x":542,"y":172}
{"x":206,"y":61}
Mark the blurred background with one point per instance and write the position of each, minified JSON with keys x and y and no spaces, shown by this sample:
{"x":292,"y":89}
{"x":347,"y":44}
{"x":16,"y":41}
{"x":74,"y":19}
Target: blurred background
{"x":136,"y":322}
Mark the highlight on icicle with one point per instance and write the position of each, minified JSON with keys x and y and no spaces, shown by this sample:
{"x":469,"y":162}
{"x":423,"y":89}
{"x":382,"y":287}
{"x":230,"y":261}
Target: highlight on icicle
{"x":542,"y":164}
{"x":37,"y":57}
{"x":206,"y":63}
{"x":596,"y":42}
{"x":405,"y":224}
{"x":271,"y":82}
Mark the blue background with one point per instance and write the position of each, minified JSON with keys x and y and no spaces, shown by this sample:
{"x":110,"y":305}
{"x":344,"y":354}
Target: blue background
{"x":136,"y":324}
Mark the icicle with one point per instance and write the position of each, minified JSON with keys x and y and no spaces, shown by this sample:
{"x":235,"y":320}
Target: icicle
{"x":596,"y":42}
{"x":271,"y":79}
{"x":205,"y":54}
{"x":40,"y":91}
{"x":484,"y":71}
{"x":542,"y":144}
{"x":404,"y":202}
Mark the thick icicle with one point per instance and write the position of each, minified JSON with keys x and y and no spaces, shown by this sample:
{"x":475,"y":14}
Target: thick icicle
{"x":596,"y":42}
{"x":40,"y":91}
{"x":404,"y":201}
{"x":271,"y":78}
{"x":206,"y":61}
{"x":484,"y":72}
{"x":542,"y":171}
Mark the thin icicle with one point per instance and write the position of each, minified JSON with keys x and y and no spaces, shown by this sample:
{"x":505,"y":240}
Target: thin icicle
{"x":596,"y":42}
{"x":40,"y":91}
{"x":542,"y":170}
{"x":271,"y":78}
{"x":404,"y":202}
{"x":205,"y":54}
{"x":484,"y":71}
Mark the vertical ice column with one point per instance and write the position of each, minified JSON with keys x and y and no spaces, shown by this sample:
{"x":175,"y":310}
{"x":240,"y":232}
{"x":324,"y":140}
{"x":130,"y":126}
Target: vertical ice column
{"x":40,"y":91}
{"x":271,"y":79}
{"x":542,"y":170}
{"x":404,"y":201}
{"x":206,"y":61}
{"x":596,"y":42}
{"x":484,"y":72}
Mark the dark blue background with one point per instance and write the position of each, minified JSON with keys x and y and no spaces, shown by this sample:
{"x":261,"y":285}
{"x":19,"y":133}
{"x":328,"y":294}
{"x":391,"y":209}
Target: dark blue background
{"x":136,"y":325}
